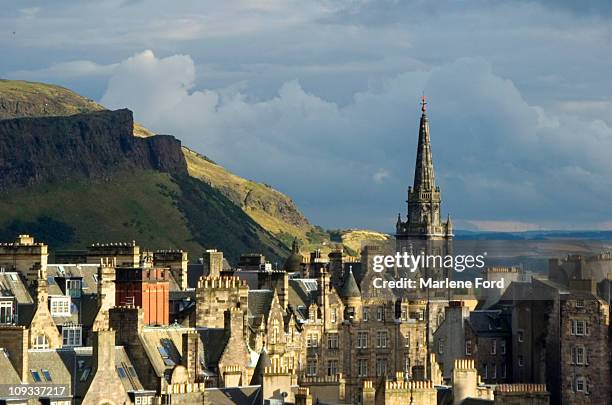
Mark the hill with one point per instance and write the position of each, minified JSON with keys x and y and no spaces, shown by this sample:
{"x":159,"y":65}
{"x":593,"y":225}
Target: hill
{"x":273,"y":211}
{"x":84,"y":178}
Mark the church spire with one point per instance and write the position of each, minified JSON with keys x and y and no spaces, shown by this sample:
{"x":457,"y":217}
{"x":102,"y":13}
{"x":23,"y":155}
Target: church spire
{"x":424,"y":200}
{"x":424,"y":178}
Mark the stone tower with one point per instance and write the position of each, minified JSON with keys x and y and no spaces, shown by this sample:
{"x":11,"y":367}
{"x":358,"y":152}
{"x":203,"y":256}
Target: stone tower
{"x":423,"y":220}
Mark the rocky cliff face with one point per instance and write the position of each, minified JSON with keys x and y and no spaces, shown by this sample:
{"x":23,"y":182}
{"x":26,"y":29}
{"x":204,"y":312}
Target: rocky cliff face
{"x":93,"y":145}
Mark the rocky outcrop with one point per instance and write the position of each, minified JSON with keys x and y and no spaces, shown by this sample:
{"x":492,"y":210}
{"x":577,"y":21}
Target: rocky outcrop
{"x":93,"y":145}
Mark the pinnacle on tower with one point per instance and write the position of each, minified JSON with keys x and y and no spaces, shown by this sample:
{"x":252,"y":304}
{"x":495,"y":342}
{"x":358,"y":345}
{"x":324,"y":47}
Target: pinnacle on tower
{"x":424,"y":177}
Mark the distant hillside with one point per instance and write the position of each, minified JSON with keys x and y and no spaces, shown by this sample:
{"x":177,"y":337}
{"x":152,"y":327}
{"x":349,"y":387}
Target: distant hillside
{"x":84,"y":178}
{"x":269,"y":208}
{"x":533,"y":235}
{"x":27,"y":99}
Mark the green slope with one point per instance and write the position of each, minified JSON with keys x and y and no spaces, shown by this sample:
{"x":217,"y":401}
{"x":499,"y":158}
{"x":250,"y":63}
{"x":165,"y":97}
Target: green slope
{"x":155,"y":209}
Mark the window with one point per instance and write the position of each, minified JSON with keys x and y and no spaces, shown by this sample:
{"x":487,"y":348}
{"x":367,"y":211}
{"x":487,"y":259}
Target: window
{"x":503,"y":371}
{"x":494,"y":346}
{"x":332,"y":367}
{"x":41,"y":342}
{"x":362,"y":367}
{"x":485,"y":368}
{"x":312,"y":313}
{"x":520,"y":335}
{"x":578,"y":355}
{"x":404,"y":314}
{"x":121,"y":372}
{"x":381,"y":338}
{"x":579,"y":303}
{"x":521,"y":361}
{"x":366,"y":314}
{"x":579,"y":328}
{"x":362,"y":340}
{"x":71,"y":335}
{"x":502,"y":346}
{"x":380,"y":314}
{"x":35,"y":376}
{"x":60,"y":306}
{"x":332,"y":341}
{"x":275,"y":332}
{"x":334,"y":315}
{"x":290,"y":363}
{"x":581,"y":385}
{"x":6,"y":312}
{"x":60,"y":402}
{"x":381,"y":367}
{"x":143,"y":400}
{"x":47,"y":375}
{"x":468,"y":347}
{"x":407,"y":364}
{"x":85,"y":374}
{"x":73,"y":287}
{"x":441,"y":346}
{"x":311,"y":367}
{"x":312,"y":340}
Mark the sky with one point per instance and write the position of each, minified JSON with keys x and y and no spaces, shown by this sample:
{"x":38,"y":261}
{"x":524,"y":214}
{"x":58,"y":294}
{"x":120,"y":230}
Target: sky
{"x":320,"y":98}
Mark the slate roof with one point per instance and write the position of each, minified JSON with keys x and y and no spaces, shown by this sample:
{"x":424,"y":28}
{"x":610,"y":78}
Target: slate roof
{"x":170,"y":340}
{"x":9,"y":375}
{"x":490,"y":322}
{"x":262,"y":362}
{"x":350,"y":287}
{"x":214,"y":340}
{"x":11,"y":285}
{"x":260,"y":302}
{"x":247,"y":395}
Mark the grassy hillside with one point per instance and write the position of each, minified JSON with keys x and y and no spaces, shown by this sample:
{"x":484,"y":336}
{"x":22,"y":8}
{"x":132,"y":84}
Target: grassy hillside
{"x":27,"y":99}
{"x":155,"y":209}
{"x":268,"y":207}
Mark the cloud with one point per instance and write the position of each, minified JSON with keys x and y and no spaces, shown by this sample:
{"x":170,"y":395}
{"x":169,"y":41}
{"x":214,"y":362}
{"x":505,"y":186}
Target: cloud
{"x":65,"y":70}
{"x":499,"y":159}
{"x":381,"y":175}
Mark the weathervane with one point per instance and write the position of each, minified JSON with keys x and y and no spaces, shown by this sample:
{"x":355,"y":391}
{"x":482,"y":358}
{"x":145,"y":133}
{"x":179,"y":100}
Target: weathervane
{"x":423,"y":102}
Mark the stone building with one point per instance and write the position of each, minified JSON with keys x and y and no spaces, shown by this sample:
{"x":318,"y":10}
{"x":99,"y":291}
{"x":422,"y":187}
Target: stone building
{"x":560,"y":337}
{"x":488,"y":337}
{"x":24,"y":256}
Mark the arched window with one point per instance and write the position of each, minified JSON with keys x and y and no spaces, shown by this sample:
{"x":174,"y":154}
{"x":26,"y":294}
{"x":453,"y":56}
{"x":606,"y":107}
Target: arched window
{"x":275,"y":331}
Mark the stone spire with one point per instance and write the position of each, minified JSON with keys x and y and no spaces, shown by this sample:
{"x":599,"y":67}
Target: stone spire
{"x":424,"y":199}
{"x":424,"y":178}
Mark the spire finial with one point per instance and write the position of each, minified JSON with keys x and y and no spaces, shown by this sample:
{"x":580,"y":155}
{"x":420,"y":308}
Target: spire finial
{"x":423,"y":102}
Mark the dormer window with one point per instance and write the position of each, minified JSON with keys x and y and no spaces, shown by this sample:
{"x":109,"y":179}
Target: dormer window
{"x":73,"y":288}
{"x":6,"y":312}
{"x":60,"y":306}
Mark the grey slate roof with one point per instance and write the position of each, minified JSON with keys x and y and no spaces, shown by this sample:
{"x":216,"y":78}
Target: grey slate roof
{"x":11,"y":285}
{"x":490,"y":322}
{"x":247,"y":395}
{"x":350,"y":287}
{"x":214,"y":340}
{"x":260,"y":302}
